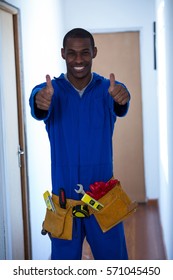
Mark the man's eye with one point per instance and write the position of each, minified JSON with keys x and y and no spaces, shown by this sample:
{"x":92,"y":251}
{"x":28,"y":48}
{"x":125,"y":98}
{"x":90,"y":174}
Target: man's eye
{"x":85,"y":53}
{"x":71,"y":53}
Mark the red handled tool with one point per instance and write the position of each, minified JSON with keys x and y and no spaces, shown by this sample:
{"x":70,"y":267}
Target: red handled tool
{"x":62,"y":198}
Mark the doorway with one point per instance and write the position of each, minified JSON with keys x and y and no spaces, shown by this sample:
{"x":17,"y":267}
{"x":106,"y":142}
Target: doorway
{"x":119,"y":53}
{"x":14,"y":219}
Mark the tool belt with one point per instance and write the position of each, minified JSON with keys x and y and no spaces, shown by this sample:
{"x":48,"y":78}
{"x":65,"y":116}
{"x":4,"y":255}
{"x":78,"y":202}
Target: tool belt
{"x":117,"y":207}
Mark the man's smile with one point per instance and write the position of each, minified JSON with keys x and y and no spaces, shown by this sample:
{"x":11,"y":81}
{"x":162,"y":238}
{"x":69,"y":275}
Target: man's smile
{"x":79,"y":68}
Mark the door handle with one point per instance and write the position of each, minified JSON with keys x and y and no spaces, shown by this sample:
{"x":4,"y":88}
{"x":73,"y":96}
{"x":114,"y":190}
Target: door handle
{"x":20,"y":152}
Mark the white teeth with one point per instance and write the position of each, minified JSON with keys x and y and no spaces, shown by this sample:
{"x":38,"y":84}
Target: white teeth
{"x":79,"y":68}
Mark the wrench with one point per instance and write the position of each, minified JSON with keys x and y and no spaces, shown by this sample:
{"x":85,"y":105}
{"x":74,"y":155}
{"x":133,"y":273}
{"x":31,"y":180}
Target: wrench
{"x":88,"y":199}
{"x":80,"y":190}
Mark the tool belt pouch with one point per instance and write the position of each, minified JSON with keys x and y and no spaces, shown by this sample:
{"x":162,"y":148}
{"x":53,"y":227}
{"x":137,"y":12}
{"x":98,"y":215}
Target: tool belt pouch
{"x":59,"y":223}
{"x":117,"y":207}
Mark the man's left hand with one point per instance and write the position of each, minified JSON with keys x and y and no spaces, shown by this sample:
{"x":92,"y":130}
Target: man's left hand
{"x":118,"y":92}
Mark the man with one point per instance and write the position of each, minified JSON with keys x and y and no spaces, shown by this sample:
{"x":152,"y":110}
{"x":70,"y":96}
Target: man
{"x":79,"y":109}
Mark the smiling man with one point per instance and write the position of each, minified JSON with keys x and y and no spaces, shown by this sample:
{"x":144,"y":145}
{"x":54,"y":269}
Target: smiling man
{"x":79,"y":109}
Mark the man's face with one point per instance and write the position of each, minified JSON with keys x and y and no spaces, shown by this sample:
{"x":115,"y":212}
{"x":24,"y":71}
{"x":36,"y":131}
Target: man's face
{"x":78,"y":54}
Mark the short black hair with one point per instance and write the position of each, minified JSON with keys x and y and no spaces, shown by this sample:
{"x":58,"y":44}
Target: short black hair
{"x":78,"y":33}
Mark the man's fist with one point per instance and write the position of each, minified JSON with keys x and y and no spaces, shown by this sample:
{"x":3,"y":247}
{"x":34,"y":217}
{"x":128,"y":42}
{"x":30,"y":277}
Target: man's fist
{"x":118,"y":92}
{"x":44,"y":96}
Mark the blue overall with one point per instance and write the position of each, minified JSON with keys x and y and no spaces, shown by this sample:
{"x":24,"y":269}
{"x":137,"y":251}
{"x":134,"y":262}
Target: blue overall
{"x":80,"y":131}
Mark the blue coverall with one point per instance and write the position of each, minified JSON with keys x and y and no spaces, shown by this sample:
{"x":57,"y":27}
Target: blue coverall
{"x":80,"y":131}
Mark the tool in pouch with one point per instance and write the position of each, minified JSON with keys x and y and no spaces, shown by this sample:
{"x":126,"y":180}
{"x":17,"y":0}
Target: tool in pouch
{"x":82,"y":211}
{"x":62,"y":198}
{"x":48,"y":201}
{"x":50,"y":206}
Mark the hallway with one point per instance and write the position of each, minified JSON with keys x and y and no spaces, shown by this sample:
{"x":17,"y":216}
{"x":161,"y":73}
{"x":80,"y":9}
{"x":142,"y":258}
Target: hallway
{"x":143,"y":235}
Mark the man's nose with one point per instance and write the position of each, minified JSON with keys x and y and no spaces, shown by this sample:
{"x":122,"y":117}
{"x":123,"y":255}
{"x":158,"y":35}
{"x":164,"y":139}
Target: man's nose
{"x":79,"y":58}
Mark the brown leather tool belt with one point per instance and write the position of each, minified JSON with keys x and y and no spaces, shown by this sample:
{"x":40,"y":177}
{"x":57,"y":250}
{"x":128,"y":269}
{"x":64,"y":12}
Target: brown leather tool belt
{"x":117,"y":207}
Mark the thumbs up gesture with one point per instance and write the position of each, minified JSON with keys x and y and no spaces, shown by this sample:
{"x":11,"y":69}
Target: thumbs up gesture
{"x":44,"y":96}
{"x":118,"y":92}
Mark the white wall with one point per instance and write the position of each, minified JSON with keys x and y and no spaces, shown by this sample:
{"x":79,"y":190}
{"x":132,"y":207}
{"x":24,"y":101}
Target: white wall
{"x":41,"y":42}
{"x":115,"y":15}
{"x":164,"y":10}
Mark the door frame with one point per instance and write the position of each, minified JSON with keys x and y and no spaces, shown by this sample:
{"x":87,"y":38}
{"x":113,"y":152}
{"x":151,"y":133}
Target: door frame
{"x":15,"y":12}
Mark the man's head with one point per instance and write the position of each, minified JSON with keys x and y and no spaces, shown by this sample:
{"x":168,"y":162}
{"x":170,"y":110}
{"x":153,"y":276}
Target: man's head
{"x":78,"y":51}
{"x":78,"y":33}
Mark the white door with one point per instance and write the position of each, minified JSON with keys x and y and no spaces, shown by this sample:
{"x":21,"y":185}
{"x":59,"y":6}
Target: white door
{"x":11,"y":223}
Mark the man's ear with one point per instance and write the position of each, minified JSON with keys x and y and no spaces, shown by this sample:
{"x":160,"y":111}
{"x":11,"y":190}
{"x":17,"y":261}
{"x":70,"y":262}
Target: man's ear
{"x":94,"y":52}
{"x":63,"y":53}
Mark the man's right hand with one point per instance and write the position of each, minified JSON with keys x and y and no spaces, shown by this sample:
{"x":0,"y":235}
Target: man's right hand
{"x":44,"y":96}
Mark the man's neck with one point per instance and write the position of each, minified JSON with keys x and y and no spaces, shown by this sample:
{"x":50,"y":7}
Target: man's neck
{"x":79,"y":83}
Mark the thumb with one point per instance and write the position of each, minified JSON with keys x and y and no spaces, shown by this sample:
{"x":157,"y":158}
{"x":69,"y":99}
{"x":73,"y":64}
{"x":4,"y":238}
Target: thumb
{"x":49,"y":84}
{"x":112,"y":82}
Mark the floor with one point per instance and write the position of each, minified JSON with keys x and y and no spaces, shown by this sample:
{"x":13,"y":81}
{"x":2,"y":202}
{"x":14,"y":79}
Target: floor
{"x":143,"y":235}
